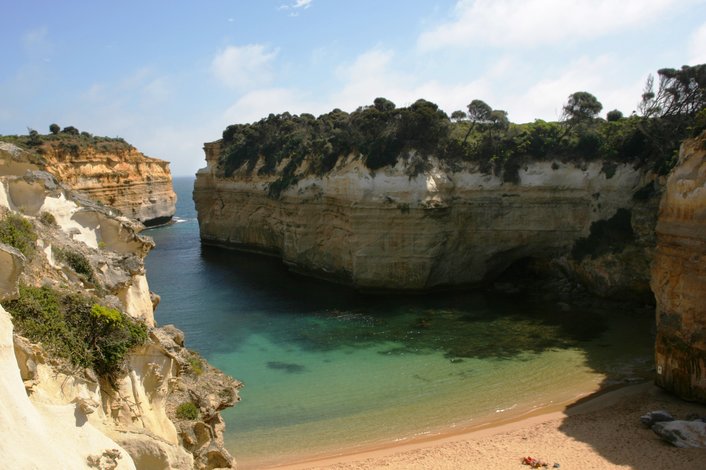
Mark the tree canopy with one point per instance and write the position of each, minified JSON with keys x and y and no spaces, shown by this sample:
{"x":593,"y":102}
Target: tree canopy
{"x":582,"y":106}
{"x":382,"y":133}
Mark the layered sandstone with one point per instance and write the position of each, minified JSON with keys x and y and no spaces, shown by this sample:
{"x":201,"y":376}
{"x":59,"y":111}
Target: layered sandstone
{"x":679,"y":276}
{"x":130,"y":420}
{"x":140,"y":187}
{"x":446,"y":226}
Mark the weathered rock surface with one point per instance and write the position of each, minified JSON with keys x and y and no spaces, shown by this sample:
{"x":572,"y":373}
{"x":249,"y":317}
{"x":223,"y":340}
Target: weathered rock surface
{"x":46,"y":435}
{"x":682,"y":433}
{"x":137,"y":185}
{"x":679,"y":276}
{"x":394,"y":229}
{"x":125,"y":422}
{"x":653,"y":417}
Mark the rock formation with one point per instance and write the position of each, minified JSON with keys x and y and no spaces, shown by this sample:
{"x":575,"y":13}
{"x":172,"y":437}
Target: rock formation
{"x":397,"y":229}
{"x":127,"y":420}
{"x":679,"y":276}
{"x":140,"y":187}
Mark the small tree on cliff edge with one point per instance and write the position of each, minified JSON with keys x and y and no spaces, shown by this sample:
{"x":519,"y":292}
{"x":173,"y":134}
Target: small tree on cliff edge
{"x":54,"y":129}
{"x":478,"y":112}
{"x":581,"y":107}
{"x":580,"y":110}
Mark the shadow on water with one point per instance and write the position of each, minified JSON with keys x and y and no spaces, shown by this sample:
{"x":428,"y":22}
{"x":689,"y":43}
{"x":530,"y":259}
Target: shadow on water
{"x":318,"y":316}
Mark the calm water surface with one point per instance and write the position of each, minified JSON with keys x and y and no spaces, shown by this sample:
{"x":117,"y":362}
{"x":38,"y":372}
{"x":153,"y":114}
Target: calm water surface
{"x":327,"y":370}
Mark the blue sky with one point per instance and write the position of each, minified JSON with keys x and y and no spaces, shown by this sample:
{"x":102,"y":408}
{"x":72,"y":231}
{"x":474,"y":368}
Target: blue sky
{"x":170,"y":75}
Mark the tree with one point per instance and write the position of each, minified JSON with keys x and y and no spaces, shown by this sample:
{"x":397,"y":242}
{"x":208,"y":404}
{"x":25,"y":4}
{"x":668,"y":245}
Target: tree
{"x":458,"y":115}
{"x":383,"y":104}
{"x":680,"y":92}
{"x":498,"y":119}
{"x":70,"y":130}
{"x":581,"y":107}
{"x":478,"y":113}
{"x":614,"y":115}
{"x":54,"y":129}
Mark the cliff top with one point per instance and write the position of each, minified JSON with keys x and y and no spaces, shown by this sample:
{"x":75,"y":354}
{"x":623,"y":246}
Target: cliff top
{"x":69,"y":144}
{"x":381,"y":133}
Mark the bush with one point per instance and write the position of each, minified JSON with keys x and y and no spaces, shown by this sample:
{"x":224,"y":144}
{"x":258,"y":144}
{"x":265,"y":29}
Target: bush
{"x":76,"y":328}
{"x":47,"y":218}
{"x":196,"y":365}
{"x":18,"y":232}
{"x":54,"y":129}
{"x":77,"y":262}
{"x":187,"y":411}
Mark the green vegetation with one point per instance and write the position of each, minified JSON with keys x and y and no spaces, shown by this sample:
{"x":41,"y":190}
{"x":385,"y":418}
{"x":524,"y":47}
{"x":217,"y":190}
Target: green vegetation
{"x":18,"y":232}
{"x":195,"y":364}
{"x":68,"y":142}
{"x":77,"y":262}
{"x":47,"y":218}
{"x":187,"y":411}
{"x":75,"y":327}
{"x":381,"y":133}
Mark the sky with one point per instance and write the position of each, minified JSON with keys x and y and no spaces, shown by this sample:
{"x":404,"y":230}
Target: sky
{"x":169,"y":75}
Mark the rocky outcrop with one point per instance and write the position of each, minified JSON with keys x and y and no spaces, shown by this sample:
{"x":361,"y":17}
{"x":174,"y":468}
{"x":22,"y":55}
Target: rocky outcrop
{"x":679,"y":276}
{"x":46,"y":435}
{"x":140,"y":187}
{"x":395,"y":228}
{"x":126,"y":420}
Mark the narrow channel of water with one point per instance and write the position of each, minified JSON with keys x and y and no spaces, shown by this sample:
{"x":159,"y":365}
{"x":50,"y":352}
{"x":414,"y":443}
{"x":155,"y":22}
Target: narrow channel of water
{"x":327,"y":369}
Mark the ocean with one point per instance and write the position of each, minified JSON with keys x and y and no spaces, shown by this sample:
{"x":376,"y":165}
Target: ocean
{"x":328,"y":370}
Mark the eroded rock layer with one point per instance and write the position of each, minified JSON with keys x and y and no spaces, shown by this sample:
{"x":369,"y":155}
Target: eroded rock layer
{"x":129,"y":418}
{"x":679,"y":276}
{"x":396,"y":229}
{"x":137,"y":185}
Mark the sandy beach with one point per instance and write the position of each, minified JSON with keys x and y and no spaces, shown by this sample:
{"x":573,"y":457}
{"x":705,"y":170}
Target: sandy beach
{"x":602,"y":431}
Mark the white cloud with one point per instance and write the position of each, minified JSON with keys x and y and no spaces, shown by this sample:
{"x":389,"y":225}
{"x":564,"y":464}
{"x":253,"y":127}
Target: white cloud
{"x":260,"y":103}
{"x":241,"y":67}
{"x":528,"y":23}
{"x":544,"y":98}
{"x":304,"y":4}
{"x":697,"y":46}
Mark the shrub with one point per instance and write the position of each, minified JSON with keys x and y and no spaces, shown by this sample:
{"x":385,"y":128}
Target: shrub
{"x":54,"y":129}
{"x":77,"y":262}
{"x":196,"y":365}
{"x":18,"y":232}
{"x":76,"y":328}
{"x":188,"y":411}
{"x":47,"y":218}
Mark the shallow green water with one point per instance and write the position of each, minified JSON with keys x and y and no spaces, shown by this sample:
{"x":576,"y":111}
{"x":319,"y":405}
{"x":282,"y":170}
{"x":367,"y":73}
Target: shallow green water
{"x":327,"y":370}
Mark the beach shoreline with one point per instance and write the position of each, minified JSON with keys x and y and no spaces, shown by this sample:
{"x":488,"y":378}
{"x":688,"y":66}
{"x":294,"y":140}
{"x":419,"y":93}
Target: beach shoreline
{"x":586,"y":432}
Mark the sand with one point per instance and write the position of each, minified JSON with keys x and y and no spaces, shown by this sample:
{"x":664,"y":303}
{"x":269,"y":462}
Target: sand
{"x":602,"y":431}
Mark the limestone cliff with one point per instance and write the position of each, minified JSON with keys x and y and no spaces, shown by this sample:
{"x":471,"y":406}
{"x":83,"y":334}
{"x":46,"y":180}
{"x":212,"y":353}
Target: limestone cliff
{"x":117,"y":175}
{"x":397,"y":228}
{"x":127,"y":419}
{"x":679,"y":276}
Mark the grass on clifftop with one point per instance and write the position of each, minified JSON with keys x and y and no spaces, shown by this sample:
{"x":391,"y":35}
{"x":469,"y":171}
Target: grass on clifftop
{"x":77,"y":328}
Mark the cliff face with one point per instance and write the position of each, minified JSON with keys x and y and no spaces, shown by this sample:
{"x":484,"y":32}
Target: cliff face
{"x":679,"y":276}
{"x":139,"y":186}
{"x":445,"y":226}
{"x":128,"y":420}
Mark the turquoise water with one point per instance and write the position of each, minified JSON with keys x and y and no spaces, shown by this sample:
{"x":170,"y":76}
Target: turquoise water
{"x":327,"y":370}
